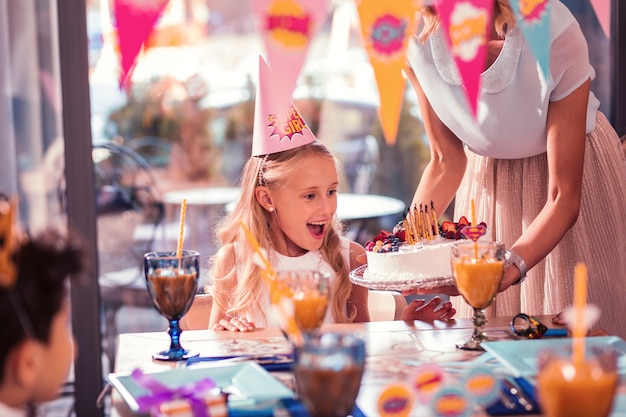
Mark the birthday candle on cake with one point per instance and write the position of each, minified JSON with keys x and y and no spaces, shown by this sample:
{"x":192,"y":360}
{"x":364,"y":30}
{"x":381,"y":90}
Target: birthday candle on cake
{"x":473,"y":213}
{"x":428,"y":225}
{"x":417,"y":223}
{"x":421,"y":222}
{"x":579,"y":327}
{"x":435,"y":219}
{"x":408,"y":233}
{"x":474,"y":224}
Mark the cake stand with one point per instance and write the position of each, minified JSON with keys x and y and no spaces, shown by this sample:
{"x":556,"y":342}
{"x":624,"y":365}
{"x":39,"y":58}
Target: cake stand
{"x":356,"y":277}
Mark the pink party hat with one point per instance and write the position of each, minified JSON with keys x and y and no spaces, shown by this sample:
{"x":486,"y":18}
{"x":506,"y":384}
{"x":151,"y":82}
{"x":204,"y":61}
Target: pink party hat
{"x":275,"y":129}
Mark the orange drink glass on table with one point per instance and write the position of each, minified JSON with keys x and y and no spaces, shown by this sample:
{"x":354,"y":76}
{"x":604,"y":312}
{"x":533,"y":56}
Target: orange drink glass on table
{"x":477,"y":268}
{"x":586,"y":388}
{"x":309,"y":291}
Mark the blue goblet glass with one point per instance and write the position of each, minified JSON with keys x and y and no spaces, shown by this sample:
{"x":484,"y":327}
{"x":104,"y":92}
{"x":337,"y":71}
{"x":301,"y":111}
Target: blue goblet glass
{"x":172,"y":283}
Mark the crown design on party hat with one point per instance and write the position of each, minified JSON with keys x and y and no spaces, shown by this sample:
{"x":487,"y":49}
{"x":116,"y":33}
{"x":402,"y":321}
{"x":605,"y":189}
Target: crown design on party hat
{"x":276,"y":129}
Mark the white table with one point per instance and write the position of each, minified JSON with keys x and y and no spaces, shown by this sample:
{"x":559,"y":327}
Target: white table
{"x":204,"y":196}
{"x":205,"y":205}
{"x":367,"y":206}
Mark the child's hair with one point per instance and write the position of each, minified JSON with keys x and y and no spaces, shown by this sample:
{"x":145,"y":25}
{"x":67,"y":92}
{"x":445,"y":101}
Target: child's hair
{"x":502,"y":12}
{"x":28,"y":308}
{"x":272,"y":171}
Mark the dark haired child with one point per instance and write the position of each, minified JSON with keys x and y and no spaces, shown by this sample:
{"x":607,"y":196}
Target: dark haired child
{"x":36,"y":345}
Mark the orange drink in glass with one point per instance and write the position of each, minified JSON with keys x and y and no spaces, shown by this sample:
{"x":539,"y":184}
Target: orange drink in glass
{"x":568,"y":389}
{"x":477,"y":268}
{"x":309,"y":291}
{"x":478,"y":280}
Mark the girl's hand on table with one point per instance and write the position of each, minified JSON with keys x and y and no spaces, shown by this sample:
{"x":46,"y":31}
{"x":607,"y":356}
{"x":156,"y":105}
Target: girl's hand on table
{"x":431,"y":311}
{"x":235,"y":325}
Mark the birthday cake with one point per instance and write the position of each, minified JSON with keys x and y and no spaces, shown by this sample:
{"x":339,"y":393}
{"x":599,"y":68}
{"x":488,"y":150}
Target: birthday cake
{"x":397,"y":257}
{"x":416,"y":262}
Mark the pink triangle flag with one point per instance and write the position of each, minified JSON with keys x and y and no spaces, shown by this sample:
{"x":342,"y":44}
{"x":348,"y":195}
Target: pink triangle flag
{"x":135,"y":20}
{"x":287,"y":27}
{"x":386,"y":27}
{"x":465,"y":24}
{"x":603,"y":11}
{"x":277,"y":128}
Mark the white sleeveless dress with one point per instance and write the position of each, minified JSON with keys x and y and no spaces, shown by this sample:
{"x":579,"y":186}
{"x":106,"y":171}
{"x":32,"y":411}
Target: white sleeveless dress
{"x":507,"y":164}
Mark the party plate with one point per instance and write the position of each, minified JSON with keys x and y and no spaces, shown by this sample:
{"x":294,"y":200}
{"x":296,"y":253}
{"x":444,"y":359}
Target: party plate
{"x":357,"y":277}
{"x":248,"y":384}
{"x":520,"y":356}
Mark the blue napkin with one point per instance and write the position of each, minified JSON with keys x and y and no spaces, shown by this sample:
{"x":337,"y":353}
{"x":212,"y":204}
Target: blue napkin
{"x":499,"y":409}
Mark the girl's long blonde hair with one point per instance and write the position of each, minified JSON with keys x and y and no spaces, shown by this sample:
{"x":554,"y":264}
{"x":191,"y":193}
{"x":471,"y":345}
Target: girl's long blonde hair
{"x":244,"y":290}
{"x":503,"y":17}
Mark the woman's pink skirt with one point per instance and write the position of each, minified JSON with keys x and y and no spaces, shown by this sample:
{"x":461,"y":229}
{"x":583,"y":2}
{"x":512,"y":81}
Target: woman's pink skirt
{"x":509,"y":193}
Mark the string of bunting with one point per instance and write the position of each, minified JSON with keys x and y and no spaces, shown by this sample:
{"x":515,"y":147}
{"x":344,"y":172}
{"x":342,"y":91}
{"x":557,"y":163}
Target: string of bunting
{"x":288,"y":27}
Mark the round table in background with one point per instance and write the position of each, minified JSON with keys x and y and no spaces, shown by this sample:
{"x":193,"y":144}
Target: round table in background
{"x":367,"y":206}
{"x":205,"y":196}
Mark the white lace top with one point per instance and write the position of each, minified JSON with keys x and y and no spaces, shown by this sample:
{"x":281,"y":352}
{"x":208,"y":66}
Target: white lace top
{"x":514,"y":95}
{"x":310,"y":260}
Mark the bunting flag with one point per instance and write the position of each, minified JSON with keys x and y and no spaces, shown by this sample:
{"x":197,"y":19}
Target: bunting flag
{"x":603,"y":12}
{"x":386,"y":27}
{"x":287,"y":27}
{"x":533,"y":17}
{"x":135,"y":20}
{"x":465,"y":25}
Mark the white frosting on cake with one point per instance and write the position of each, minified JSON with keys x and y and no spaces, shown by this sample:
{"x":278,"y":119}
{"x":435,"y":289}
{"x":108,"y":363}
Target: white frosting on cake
{"x":411,"y":263}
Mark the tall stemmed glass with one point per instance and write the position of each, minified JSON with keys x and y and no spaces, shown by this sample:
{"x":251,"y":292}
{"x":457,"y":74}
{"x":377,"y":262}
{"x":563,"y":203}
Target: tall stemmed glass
{"x":477,"y":268}
{"x":309,"y":291}
{"x":172,"y":283}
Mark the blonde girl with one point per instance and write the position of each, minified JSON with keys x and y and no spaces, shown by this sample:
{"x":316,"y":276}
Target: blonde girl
{"x":288,"y":202}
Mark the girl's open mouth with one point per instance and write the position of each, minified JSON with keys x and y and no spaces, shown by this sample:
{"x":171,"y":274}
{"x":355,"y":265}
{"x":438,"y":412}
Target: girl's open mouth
{"x":316,"y":229}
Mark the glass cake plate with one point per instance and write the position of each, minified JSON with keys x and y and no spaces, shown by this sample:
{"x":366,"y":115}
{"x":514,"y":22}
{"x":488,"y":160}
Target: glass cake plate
{"x":356,"y":277}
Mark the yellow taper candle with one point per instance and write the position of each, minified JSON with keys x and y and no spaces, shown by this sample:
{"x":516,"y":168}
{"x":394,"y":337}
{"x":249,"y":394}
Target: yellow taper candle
{"x":435,"y":218}
{"x":579,"y":327}
{"x":474,"y":224}
{"x":181,"y":228}
{"x":473,"y":213}
{"x":408,"y":232}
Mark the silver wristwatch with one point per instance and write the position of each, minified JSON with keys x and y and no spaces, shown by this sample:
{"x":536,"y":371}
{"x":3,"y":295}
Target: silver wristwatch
{"x":512,"y":258}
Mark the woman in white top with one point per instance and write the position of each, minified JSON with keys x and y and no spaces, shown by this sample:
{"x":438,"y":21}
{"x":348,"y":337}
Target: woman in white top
{"x":289,"y":201}
{"x":541,"y":162}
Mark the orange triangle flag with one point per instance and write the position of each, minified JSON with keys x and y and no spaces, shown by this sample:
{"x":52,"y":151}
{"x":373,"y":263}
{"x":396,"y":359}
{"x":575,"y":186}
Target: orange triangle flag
{"x":386,"y":28}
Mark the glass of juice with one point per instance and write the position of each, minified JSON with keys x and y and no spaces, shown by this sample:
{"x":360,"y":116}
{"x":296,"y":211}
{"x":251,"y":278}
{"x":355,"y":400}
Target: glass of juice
{"x":309,"y":291}
{"x":328,"y":370}
{"x":477,"y":268}
{"x":575,"y":389}
{"x":172,"y":282}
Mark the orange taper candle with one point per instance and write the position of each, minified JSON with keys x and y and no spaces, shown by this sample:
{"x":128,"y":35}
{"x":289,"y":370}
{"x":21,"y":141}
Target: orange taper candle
{"x":579,"y":327}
